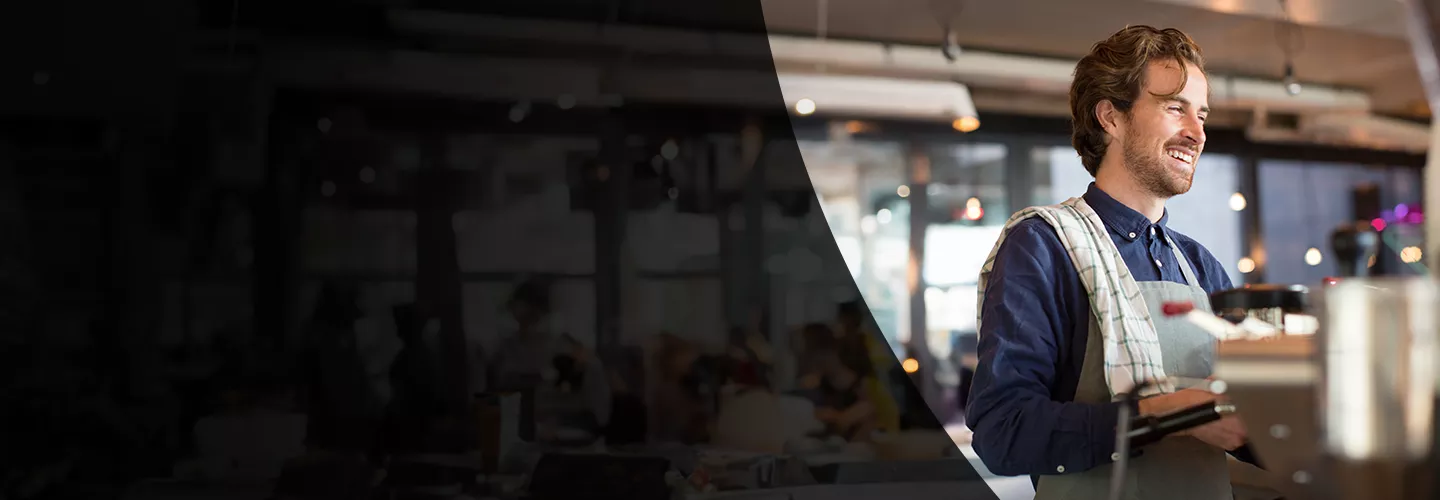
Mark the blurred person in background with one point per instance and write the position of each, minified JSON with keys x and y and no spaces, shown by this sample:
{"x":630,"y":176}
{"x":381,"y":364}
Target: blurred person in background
{"x":1041,"y":401}
{"x":684,"y":390}
{"x":867,"y":353}
{"x":571,"y":385}
{"x":750,"y":358}
{"x":843,"y":398}
{"x":810,"y":344}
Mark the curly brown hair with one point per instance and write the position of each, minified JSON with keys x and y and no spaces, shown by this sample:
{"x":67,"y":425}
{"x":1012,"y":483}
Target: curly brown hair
{"x":1115,"y":71}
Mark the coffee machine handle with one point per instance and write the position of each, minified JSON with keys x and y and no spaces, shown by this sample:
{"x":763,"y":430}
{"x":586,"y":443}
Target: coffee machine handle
{"x":1354,"y":245}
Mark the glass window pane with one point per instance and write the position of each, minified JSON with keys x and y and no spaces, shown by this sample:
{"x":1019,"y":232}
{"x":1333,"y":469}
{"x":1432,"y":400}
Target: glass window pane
{"x":690,"y":308}
{"x":667,"y":241}
{"x":527,"y":204}
{"x":1296,"y":219}
{"x":364,"y":242}
{"x":1206,"y":215}
{"x":858,"y":185}
{"x":969,"y":204}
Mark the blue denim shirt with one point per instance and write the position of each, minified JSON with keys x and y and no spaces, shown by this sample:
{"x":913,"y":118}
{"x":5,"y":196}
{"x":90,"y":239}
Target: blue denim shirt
{"x":1036,"y":320}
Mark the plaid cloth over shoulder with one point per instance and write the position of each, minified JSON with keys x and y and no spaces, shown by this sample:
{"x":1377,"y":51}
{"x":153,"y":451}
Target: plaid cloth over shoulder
{"x":1132,"y":347}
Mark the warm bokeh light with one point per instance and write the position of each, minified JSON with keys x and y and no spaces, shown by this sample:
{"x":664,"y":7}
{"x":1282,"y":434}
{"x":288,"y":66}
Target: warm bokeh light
{"x":805,"y":107}
{"x":910,"y":365}
{"x":1246,"y":265}
{"x":1237,"y":202}
{"x":966,"y":124}
{"x":1411,"y":255}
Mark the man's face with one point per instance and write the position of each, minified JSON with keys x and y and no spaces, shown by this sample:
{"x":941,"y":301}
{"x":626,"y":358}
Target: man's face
{"x":1163,"y":137}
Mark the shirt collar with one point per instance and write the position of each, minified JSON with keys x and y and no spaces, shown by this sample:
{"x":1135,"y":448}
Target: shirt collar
{"x":1119,"y":218}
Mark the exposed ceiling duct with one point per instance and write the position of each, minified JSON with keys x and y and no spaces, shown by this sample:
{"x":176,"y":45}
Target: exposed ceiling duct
{"x":878,"y":97}
{"x":1341,"y":129}
{"x":1318,"y":115}
{"x":797,"y":54}
{"x":1034,"y":74}
{"x":862,"y":78}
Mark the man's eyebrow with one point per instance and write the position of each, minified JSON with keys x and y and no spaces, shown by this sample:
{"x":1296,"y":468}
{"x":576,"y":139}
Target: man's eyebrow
{"x":1186,"y":102}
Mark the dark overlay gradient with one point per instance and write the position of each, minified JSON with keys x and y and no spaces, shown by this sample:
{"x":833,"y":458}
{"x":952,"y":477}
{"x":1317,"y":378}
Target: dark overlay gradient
{"x":355,"y":249}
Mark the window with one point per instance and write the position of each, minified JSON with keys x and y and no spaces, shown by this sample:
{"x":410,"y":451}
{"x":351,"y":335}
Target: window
{"x":1303,"y":203}
{"x":969,"y":204}
{"x":858,"y":184}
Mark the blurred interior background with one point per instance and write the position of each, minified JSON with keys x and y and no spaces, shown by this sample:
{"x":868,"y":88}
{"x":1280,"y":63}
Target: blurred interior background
{"x":429,"y":169}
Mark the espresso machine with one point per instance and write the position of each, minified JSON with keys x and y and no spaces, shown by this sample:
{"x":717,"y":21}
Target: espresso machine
{"x":1347,"y":412}
{"x":1339,"y":397}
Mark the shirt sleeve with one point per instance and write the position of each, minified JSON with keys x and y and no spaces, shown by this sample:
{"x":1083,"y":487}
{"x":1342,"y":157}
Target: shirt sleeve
{"x":1027,"y":317}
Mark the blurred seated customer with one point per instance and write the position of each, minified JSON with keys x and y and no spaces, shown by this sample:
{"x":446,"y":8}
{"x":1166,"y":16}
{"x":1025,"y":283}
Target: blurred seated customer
{"x":683,"y":392}
{"x":843,"y":399}
{"x":570,"y":384}
{"x":867,"y":353}
{"x":812,"y":344}
{"x":751,"y":360}
{"x":760,"y":421}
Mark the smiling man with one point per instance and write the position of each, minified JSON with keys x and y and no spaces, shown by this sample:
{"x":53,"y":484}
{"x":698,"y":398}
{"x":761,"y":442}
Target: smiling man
{"x":1070,"y":298}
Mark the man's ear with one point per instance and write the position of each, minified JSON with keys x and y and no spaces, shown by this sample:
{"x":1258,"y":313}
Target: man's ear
{"x":1110,"y":118}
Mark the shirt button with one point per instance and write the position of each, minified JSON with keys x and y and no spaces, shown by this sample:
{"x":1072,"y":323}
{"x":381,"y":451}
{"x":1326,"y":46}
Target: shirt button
{"x":1160,"y":264}
{"x":1152,"y":231}
{"x":1060,"y":469}
{"x":1132,"y":235}
{"x":1115,"y":457}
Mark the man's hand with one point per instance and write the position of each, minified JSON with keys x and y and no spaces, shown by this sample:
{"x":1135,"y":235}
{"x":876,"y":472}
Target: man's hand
{"x":1176,"y":401}
{"x":1228,"y":433}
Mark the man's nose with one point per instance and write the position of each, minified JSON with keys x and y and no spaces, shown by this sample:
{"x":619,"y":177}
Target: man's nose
{"x":1194,"y":131}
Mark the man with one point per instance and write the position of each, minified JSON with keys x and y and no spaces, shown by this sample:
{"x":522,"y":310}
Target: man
{"x":571,"y":387}
{"x":1058,"y":346}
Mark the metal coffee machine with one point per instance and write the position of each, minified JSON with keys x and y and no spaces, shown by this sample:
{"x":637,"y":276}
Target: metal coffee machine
{"x":1347,"y":412}
{"x":1282,"y":307}
{"x":1346,"y":409}
{"x":1338,"y":399}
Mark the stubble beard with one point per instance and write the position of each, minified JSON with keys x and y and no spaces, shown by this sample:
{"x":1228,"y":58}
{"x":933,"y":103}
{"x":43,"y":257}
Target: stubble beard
{"x":1151,"y":173}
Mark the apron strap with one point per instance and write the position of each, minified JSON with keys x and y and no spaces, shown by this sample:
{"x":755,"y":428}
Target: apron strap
{"x":1185,"y":267}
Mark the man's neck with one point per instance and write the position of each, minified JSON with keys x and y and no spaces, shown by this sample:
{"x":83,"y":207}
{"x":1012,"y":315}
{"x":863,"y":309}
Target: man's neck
{"x":1117,"y":182}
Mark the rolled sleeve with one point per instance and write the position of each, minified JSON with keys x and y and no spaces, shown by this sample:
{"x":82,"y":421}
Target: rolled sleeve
{"x":1028,"y":326}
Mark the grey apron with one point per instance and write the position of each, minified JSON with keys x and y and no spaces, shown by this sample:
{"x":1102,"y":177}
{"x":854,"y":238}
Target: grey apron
{"x":1175,"y":468}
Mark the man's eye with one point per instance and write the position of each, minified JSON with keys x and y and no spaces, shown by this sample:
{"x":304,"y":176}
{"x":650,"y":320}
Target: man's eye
{"x":1176,"y":109}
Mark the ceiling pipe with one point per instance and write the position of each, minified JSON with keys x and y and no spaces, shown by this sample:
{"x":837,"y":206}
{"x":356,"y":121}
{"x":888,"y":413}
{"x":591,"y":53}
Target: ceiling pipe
{"x":799,"y":54}
{"x":1326,"y":114}
{"x":1035,"y":74}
